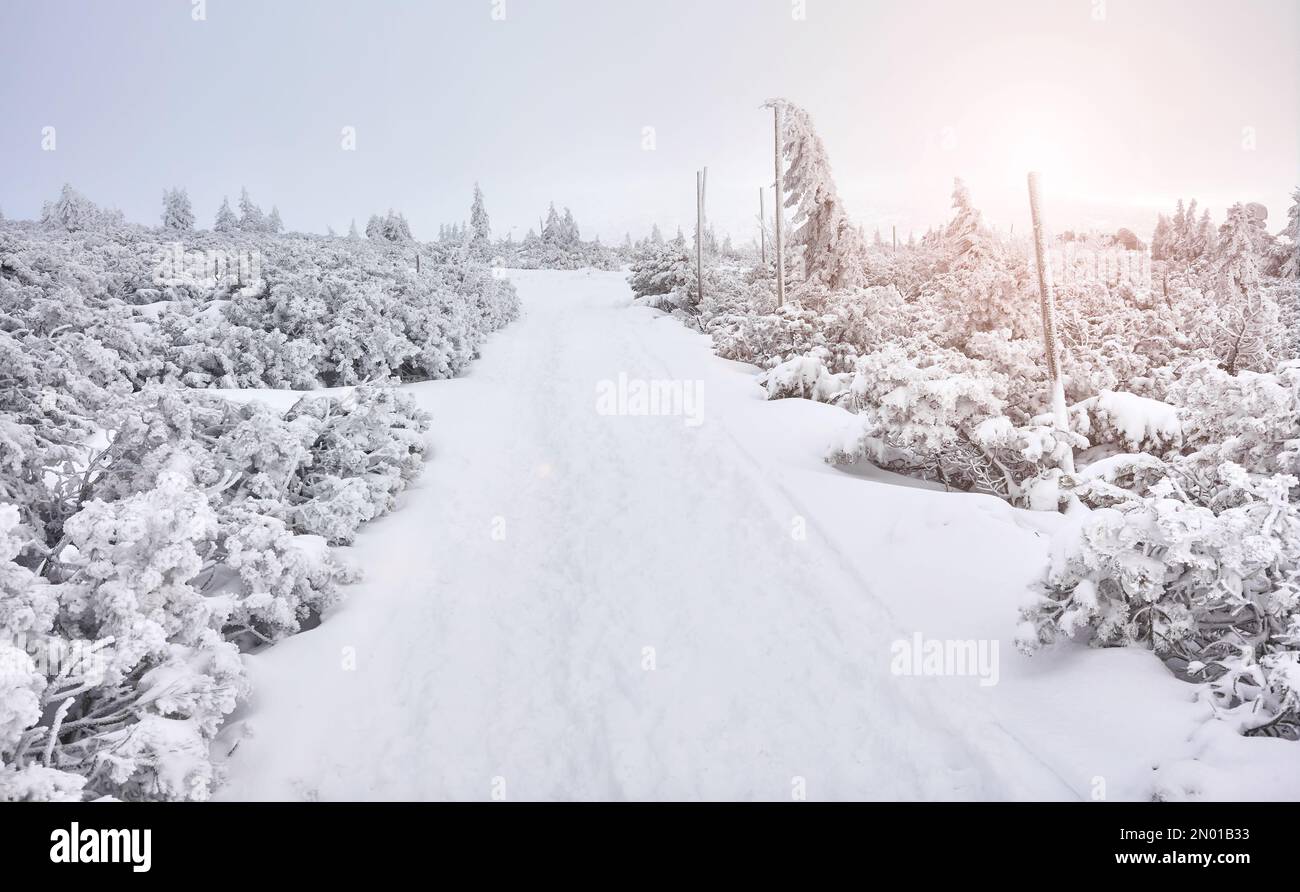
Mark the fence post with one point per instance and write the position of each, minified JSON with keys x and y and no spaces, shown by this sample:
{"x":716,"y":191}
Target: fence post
{"x":699,"y":238}
{"x":780,"y":200}
{"x":1048,"y":302}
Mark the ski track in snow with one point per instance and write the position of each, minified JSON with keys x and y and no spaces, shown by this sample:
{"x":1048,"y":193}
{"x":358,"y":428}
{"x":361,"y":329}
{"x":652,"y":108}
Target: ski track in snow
{"x":520,"y":658}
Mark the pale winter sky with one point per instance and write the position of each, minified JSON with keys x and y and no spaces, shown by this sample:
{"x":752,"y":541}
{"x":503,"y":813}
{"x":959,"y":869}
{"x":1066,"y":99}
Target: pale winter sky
{"x":1124,"y":104}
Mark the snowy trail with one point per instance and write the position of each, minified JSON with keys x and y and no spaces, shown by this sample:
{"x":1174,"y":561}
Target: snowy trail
{"x":518,"y":659}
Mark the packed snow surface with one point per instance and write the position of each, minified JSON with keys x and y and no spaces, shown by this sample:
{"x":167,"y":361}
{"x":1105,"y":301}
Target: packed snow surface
{"x":582,"y":604}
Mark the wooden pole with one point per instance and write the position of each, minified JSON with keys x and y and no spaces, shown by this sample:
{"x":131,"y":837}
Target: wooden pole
{"x":1048,"y":301}
{"x":780,"y":200}
{"x":895,"y":229}
{"x":699,"y":238}
{"x":762,"y":228}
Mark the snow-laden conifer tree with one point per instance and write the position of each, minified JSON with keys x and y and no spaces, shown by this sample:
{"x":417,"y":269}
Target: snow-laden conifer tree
{"x":391,"y":227}
{"x":226,"y":220}
{"x":1290,"y":267}
{"x":551,"y":228}
{"x":1207,"y":238}
{"x":178,"y":215}
{"x":72,"y":211}
{"x":480,"y":228}
{"x":965,"y":230}
{"x":1243,"y":325}
{"x":251,"y":218}
{"x":569,"y":234}
{"x":273,"y":223}
{"x":833,"y":252}
{"x":1160,"y":238}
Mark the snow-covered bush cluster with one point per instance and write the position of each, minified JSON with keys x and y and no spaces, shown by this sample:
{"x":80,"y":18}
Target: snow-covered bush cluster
{"x":1193,"y":549}
{"x":185,"y":527}
{"x":559,"y":246}
{"x":1179,"y":466}
{"x":152,"y":529}
{"x":251,"y":308}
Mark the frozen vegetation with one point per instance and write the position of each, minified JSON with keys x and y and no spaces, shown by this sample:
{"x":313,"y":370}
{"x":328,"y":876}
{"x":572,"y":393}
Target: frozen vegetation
{"x":199,"y":426}
{"x":157,"y":516}
{"x":1184,"y":391}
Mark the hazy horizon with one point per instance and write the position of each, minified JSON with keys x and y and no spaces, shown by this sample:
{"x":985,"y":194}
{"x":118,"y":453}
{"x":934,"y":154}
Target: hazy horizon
{"x":1124,"y":113}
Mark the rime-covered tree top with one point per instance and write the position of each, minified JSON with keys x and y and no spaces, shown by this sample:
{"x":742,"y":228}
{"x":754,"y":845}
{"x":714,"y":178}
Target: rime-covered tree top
{"x":833,"y":251}
{"x":178,"y":215}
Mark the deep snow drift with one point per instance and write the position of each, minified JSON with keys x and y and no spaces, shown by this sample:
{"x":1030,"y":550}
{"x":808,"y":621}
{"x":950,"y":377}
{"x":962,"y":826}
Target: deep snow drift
{"x":578,"y":602}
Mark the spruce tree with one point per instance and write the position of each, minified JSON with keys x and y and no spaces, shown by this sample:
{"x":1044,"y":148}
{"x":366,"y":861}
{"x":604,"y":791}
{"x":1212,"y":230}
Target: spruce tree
{"x":226,"y":220}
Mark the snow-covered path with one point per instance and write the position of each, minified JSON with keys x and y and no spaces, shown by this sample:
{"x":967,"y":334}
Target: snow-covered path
{"x":576,"y":605}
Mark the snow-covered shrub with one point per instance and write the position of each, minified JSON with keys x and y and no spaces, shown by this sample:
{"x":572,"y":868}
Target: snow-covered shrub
{"x":133,"y":714}
{"x":941,"y":417}
{"x":917,"y":417}
{"x":1106,"y":482}
{"x":182,"y":531}
{"x":1213,"y":591}
{"x":367,"y":448}
{"x":790,"y":330}
{"x":805,"y":377}
{"x":351,"y":318}
{"x":317,"y":310}
{"x":1138,"y":424}
{"x":662,"y":274}
{"x":1249,"y":419}
{"x":150,"y":529}
{"x":282,"y":578}
{"x":1021,"y":361}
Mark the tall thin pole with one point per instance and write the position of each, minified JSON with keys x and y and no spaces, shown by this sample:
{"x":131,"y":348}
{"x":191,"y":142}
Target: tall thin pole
{"x":699,"y":237}
{"x":895,"y":229}
{"x":1048,"y":299}
{"x":780,"y":200}
{"x":762,"y":227}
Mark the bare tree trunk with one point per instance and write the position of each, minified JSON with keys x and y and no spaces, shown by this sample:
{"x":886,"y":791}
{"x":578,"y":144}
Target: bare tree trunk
{"x":1048,"y":298}
{"x":762,"y":228}
{"x":780,"y":201}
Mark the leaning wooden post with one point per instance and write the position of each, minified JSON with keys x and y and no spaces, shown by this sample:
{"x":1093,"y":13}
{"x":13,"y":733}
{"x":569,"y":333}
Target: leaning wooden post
{"x":762,"y":228}
{"x":699,"y":238}
{"x":1048,"y":299}
{"x":780,"y":200}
